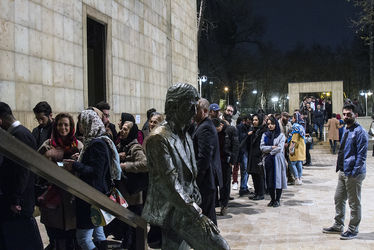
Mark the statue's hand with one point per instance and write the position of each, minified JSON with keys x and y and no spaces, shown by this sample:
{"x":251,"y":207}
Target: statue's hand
{"x":208,"y":226}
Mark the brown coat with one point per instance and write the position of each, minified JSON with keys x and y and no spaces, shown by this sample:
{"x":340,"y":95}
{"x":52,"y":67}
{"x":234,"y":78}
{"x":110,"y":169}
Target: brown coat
{"x":63,"y":217}
{"x":134,"y":162}
{"x":333,"y":127}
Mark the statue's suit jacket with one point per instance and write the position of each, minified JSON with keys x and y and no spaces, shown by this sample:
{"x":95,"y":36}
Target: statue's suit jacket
{"x":172,"y":175}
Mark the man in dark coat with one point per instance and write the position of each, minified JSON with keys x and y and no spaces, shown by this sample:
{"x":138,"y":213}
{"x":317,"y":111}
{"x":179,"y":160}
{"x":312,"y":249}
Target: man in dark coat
{"x":43,"y":114}
{"x":229,"y":148}
{"x":328,"y":109}
{"x":319,"y":120}
{"x":18,"y":228}
{"x":243,"y":129}
{"x":209,"y":173}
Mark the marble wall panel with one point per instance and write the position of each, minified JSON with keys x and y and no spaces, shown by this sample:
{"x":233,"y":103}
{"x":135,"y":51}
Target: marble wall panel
{"x":6,"y":34}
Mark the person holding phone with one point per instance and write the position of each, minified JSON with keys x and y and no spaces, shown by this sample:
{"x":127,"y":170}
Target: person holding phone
{"x":57,"y":207}
{"x":98,"y":165}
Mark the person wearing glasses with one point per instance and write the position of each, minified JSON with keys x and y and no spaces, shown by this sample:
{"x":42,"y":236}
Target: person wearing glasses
{"x":110,"y":128}
{"x":351,"y":168}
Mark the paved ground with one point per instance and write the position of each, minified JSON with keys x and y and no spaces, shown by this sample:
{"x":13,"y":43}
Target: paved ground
{"x":304,"y":211}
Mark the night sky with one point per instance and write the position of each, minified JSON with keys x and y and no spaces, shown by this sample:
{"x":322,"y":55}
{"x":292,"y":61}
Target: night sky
{"x":307,"y":21}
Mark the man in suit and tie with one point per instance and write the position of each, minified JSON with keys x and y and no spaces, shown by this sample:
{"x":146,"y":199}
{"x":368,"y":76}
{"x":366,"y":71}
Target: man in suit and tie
{"x":18,"y":228}
{"x":209,"y":172}
{"x":173,"y":196}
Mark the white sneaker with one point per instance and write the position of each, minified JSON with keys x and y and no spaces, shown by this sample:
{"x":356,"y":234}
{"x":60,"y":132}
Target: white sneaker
{"x":235,"y":186}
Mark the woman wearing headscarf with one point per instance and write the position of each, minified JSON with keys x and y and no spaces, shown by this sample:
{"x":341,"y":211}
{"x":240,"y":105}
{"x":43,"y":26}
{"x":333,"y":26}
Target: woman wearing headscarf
{"x":296,"y":140}
{"x":98,"y":165}
{"x":272,"y":145}
{"x":255,"y":167}
{"x":134,"y":167}
{"x":155,"y":119}
{"x":59,"y":219}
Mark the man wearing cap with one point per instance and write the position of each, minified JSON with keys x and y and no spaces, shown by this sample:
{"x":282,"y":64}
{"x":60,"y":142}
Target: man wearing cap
{"x":214,"y":111}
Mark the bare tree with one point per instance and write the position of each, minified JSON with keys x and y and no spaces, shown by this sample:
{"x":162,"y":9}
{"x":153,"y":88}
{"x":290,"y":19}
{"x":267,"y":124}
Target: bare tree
{"x":364,"y":26}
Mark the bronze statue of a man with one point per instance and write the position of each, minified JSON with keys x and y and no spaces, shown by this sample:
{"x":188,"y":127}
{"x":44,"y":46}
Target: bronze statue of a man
{"x":173,"y":196}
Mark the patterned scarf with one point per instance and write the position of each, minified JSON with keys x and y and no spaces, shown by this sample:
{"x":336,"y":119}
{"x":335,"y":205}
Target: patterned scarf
{"x":93,"y":128}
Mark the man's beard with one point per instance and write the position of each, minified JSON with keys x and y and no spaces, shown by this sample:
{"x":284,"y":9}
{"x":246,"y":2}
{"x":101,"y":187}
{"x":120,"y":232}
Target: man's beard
{"x":349,"y":121}
{"x":227,"y":117}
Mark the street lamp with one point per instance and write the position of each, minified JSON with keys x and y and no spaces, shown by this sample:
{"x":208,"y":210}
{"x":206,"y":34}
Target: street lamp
{"x":254,"y":92}
{"x":366,"y":93}
{"x":226,"y":90}
{"x":201,"y":80}
{"x":274,"y":99}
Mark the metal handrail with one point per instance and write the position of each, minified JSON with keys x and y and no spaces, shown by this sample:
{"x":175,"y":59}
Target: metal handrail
{"x":32,"y":160}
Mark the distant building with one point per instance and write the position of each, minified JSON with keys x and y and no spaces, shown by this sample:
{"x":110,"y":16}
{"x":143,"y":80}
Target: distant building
{"x":74,"y":53}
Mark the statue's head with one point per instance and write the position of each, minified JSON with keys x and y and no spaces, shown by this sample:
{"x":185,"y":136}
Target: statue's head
{"x":180,"y":105}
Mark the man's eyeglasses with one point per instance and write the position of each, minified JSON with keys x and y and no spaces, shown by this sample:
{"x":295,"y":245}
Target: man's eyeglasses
{"x":106,"y":115}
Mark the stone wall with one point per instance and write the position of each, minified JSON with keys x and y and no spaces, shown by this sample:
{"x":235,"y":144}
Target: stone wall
{"x":150,"y":45}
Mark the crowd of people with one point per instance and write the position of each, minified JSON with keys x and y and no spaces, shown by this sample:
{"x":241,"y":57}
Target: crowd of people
{"x":271,"y":148}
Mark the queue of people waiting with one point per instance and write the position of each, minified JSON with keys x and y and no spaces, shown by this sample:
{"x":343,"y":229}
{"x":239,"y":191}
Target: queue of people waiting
{"x":269,"y":147}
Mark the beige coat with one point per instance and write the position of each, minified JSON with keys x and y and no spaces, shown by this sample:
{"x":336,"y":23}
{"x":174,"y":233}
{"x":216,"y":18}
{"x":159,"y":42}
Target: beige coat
{"x":300,"y":150}
{"x":333,"y":127}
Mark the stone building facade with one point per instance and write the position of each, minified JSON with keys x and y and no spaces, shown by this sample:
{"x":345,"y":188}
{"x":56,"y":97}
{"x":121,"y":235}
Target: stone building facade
{"x":335,"y":87}
{"x":148,"y":45}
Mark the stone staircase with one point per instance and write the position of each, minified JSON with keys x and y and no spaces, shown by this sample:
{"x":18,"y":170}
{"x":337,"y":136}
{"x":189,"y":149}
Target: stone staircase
{"x":322,"y":147}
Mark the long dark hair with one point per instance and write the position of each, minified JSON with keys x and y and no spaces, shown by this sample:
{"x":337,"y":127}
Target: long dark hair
{"x":70,"y":143}
{"x":272,"y":134}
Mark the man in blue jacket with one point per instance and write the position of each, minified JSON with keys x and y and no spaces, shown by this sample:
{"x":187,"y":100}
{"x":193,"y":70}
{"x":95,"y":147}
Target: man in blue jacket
{"x":351,"y":166}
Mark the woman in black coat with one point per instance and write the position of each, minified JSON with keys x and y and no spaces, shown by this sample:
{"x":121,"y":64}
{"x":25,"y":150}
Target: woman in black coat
{"x":255,"y":167}
{"x":97,"y":165}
